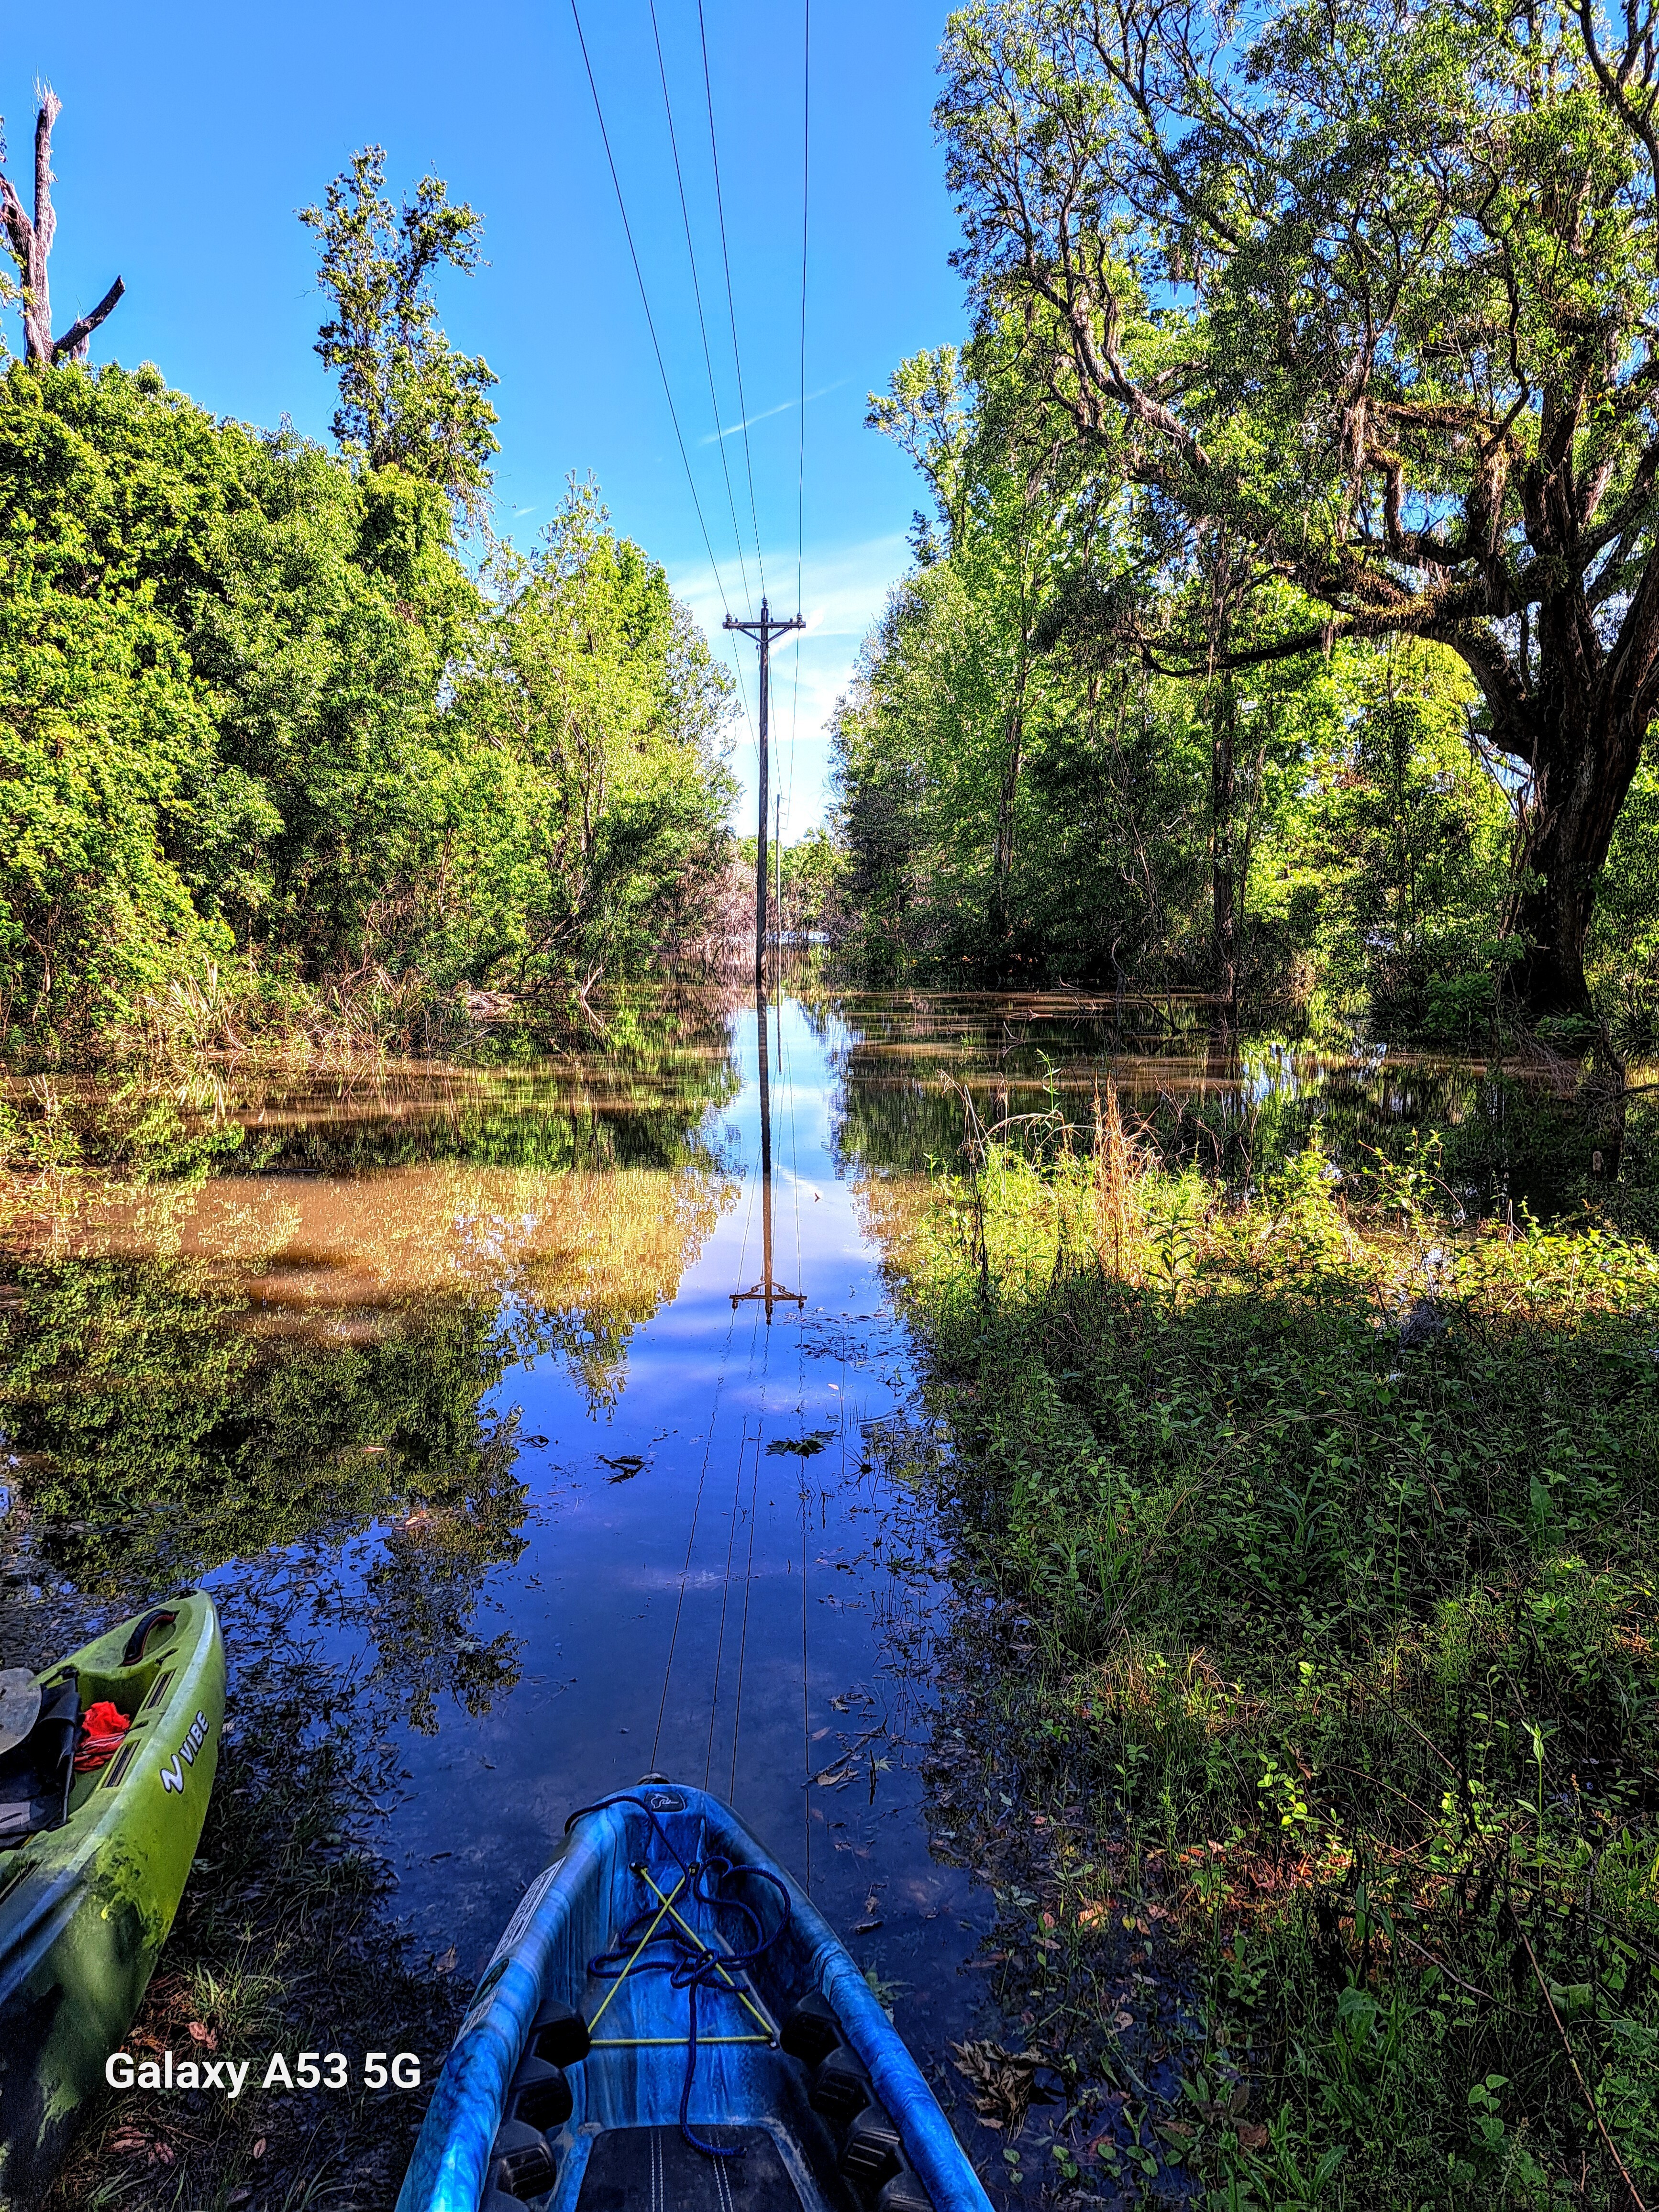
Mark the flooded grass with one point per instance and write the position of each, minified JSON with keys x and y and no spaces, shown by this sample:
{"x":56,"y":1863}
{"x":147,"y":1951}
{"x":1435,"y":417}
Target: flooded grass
{"x":1317,"y":1533}
{"x":433,"y":1376}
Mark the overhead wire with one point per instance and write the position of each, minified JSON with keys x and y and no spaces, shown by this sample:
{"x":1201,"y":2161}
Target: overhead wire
{"x":720,"y":437}
{"x":805,"y":205}
{"x":697,"y":294}
{"x":800,"y":456}
{"x":651,"y":323}
{"x":789,"y":1088}
{"x":731,"y":296}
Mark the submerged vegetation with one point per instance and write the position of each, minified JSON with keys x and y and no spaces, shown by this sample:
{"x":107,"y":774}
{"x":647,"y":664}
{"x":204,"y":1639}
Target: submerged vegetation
{"x":1321,"y":1520}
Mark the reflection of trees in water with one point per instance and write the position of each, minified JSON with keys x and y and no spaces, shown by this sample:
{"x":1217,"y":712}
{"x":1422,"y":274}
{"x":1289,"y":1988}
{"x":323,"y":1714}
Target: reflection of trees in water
{"x":634,"y":1096}
{"x":417,"y":1600}
{"x":159,"y":1439}
{"x":632,"y":1091}
{"x":218,"y":1400}
{"x":581,"y":1296}
{"x":1237,"y":1105}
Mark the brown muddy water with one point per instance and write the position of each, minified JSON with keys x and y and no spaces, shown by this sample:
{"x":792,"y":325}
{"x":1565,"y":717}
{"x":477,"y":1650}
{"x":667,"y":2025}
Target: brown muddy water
{"x":469,"y":1383}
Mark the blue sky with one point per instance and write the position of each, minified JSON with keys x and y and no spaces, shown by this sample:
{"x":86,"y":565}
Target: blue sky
{"x":190,"y":134}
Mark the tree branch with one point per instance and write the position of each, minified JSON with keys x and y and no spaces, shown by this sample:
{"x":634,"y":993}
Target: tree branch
{"x":77,"y":339}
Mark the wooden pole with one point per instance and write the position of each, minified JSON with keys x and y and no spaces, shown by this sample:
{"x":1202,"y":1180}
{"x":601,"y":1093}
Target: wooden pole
{"x":763,"y":632}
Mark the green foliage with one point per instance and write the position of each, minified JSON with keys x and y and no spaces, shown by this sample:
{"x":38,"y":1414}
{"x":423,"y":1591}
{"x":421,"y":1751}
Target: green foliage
{"x":102,"y":736}
{"x":1017,"y":794}
{"x":1336,"y":295}
{"x":1400,"y":840}
{"x":408,"y":400}
{"x":1333,"y":1526}
{"x":597,"y":714}
{"x":814,"y":883}
{"x":253,"y":705}
{"x":1624,"y":942}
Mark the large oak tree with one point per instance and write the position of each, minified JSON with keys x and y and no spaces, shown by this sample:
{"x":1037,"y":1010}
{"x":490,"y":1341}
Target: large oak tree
{"x":1372,"y":286}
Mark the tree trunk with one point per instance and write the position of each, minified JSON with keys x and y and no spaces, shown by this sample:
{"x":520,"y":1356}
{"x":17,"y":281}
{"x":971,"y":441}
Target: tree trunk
{"x":1223,"y":886}
{"x":1573,"y":814}
{"x":31,"y":246}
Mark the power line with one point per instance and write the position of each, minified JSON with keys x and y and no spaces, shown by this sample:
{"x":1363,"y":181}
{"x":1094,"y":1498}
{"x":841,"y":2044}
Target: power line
{"x":656,"y":347}
{"x":731,"y":297}
{"x":805,"y":204}
{"x":645,"y":302}
{"x":801,"y":462}
{"x":697,"y":294}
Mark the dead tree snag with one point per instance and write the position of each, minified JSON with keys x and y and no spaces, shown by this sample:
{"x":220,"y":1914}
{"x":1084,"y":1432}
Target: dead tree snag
{"x":31,"y":247}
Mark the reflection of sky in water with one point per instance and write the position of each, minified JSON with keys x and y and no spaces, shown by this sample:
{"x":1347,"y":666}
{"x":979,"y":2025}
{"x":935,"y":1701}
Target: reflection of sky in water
{"x":674,"y":1593}
{"x":677,"y":1575}
{"x":563,"y":1244}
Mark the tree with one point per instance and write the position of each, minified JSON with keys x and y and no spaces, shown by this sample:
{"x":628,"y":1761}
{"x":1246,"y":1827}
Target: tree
{"x":597,"y":714}
{"x":31,"y":244}
{"x":1004,"y":511}
{"x":408,"y":400}
{"x":1375,"y":290}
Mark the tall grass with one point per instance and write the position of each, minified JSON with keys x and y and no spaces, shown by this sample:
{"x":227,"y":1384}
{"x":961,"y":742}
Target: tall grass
{"x":1332,"y":1519}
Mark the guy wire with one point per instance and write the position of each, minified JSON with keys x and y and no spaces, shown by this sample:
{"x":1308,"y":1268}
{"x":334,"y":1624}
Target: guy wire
{"x":708,"y":1446}
{"x":726,"y":1586}
{"x":696,"y":1509}
{"x":800,"y":1407}
{"x":743,"y":1638}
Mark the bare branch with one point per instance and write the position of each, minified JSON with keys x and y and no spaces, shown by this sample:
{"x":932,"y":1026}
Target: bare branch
{"x":76,"y":340}
{"x":30,"y":243}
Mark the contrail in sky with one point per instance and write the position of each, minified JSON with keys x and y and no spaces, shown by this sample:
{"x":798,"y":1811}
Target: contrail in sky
{"x":712,"y":437}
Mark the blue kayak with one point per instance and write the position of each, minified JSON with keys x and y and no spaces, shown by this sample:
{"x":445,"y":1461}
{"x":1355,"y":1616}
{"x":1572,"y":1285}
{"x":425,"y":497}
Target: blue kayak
{"x":669,"y":2023}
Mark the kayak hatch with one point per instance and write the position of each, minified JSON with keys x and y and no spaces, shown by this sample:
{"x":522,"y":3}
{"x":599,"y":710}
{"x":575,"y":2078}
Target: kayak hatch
{"x":669,"y":2021}
{"x":92,"y":1864}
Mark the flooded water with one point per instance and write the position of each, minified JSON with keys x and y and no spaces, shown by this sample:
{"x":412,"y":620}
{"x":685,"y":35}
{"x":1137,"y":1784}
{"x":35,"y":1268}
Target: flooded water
{"x":472,"y":1383}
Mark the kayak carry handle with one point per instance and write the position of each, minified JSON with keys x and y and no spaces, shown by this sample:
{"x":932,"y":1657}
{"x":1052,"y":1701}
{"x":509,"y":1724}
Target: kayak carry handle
{"x":157,"y":1617}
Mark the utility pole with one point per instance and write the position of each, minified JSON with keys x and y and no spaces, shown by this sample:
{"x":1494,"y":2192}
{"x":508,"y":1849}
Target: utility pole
{"x":763,"y":632}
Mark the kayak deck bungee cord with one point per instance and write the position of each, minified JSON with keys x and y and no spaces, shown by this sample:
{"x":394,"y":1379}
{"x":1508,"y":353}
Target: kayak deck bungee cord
{"x":669,"y":2021}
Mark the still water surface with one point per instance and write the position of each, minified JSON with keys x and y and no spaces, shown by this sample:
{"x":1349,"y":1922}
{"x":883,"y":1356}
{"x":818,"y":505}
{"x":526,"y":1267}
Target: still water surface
{"x":446,"y":1376}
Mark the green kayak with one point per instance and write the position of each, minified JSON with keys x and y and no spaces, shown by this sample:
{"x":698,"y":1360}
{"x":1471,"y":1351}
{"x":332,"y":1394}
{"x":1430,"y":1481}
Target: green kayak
{"x":93,"y":1858}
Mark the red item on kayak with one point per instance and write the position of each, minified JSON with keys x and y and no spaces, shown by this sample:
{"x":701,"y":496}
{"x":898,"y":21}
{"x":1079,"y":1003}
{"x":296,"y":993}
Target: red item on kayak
{"x":102,"y":1730}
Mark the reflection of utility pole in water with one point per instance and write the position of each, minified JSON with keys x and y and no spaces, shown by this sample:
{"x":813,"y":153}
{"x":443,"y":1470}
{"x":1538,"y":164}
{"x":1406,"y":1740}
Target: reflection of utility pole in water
{"x":771,"y":1293}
